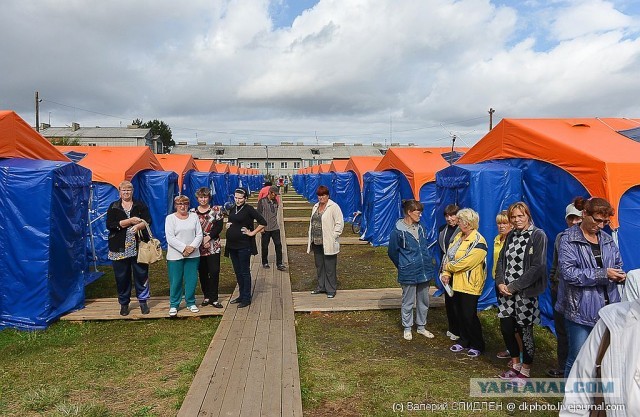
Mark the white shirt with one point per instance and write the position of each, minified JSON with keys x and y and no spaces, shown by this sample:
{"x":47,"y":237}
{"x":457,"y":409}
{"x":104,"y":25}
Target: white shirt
{"x":182,"y":233}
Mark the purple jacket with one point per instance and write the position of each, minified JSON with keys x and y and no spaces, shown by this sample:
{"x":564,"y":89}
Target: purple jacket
{"x":582,"y":282}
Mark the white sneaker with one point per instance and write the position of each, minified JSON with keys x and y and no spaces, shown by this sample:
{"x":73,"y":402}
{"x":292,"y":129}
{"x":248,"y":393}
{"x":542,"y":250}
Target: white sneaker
{"x":452,"y":336}
{"x":407,"y":335}
{"x":173,"y":312}
{"x":426,"y":333}
{"x":193,"y":309}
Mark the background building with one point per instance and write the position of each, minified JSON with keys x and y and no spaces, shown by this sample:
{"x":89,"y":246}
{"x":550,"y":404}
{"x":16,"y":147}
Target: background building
{"x":131,"y":135}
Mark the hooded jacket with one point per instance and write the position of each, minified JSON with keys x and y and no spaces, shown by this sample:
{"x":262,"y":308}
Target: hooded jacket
{"x":412,"y":257}
{"x":582,"y":282}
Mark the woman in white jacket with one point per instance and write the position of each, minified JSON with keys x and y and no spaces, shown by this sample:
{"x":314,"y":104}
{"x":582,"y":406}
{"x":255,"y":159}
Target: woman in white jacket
{"x":325,"y":228}
{"x":620,"y":365}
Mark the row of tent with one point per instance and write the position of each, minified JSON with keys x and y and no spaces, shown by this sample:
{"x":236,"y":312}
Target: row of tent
{"x":543,"y":162}
{"x":54,"y":202}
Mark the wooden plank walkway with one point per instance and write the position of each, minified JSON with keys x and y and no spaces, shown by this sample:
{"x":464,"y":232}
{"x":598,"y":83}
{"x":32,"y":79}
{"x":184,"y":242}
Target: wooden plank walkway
{"x":351,"y":300}
{"x":251,"y":365}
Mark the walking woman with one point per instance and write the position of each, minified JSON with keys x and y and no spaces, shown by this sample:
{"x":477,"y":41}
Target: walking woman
{"x":409,"y":252}
{"x":184,"y":235}
{"x":211,"y":220}
{"x":521,"y":276}
{"x":325,"y":228}
{"x":466,"y":262}
{"x":125,"y":217}
{"x":241,"y":243}
{"x":590,"y":269}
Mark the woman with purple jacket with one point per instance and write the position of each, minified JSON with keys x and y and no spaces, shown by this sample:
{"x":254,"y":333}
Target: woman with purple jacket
{"x":590,"y":269}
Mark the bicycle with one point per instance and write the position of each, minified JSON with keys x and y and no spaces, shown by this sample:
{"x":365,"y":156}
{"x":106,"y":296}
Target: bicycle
{"x":356,"y":223}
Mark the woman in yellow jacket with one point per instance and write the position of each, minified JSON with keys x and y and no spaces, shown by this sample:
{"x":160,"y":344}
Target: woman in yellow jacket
{"x":465,"y":260}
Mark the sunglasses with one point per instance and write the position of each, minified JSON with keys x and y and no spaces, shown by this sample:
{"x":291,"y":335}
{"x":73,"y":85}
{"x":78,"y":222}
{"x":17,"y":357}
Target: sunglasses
{"x":603,"y":222}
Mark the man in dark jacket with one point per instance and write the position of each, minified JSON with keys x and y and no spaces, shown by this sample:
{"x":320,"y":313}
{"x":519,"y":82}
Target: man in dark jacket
{"x":446,"y":234}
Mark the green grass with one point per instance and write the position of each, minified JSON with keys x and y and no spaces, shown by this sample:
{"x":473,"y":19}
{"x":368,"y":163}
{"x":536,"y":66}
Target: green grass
{"x":357,"y":364}
{"x":306,"y":213}
{"x":105,"y":286}
{"x":119,"y":368}
{"x":359,"y":266}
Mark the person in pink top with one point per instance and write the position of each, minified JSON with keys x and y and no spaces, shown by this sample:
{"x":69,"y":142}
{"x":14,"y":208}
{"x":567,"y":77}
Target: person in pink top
{"x":264,"y":191}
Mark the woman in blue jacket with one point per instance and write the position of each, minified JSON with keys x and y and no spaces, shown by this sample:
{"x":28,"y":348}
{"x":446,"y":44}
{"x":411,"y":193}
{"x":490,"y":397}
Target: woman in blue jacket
{"x":590,"y":269}
{"x":409,"y":252}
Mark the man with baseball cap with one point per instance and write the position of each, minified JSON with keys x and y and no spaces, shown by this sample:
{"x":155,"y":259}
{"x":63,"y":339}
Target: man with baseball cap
{"x":572,"y":216}
{"x":268,"y":208}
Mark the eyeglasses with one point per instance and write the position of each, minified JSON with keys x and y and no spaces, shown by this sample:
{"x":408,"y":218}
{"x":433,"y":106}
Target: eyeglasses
{"x":603,"y":222}
{"x":182,"y":204}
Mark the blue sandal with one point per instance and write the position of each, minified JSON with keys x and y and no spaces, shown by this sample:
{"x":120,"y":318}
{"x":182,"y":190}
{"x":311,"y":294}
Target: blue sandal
{"x":456,"y":348}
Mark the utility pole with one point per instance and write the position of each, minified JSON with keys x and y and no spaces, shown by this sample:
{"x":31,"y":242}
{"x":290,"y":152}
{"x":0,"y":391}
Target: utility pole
{"x":453,"y":144}
{"x":37,"y":113}
{"x":266,"y":147}
{"x":491,"y":111}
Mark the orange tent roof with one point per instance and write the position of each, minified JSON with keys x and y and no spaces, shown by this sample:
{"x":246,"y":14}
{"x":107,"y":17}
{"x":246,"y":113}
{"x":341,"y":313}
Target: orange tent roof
{"x":178,"y":163}
{"x":19,"y":140}
{"x":205,"y":165}
{"x":361,"y":165}
{"x":418,"y":165}
{"x":233,"y":169}
{"x":338,"y":165}
{"x":113,"y":164}
{"x":605,"y":162}
{"x":323,"y":168}
{"x":315,"y":169}
{"x":222,"y":168}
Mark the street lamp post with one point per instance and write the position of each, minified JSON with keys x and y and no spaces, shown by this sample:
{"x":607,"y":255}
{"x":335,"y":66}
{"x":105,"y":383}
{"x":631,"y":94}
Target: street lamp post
{"x":266,"y":147}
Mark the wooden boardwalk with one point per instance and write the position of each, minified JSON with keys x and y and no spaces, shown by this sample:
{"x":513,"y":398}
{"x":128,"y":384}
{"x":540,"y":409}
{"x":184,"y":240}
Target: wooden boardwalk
{"x":251,"y":365}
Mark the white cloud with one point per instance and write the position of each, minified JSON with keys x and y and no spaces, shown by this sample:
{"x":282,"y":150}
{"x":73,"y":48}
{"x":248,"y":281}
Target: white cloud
{"x":341,"y":70}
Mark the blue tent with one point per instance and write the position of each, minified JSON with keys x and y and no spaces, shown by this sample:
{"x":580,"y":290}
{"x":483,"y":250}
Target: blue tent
{"x":326,"y":179}
{"x":541,"y":183}
{"x":43,"y":228}
{"x":157,"y":190}
{"x":469,"y":186}
{"x":311,"y":186}
{"x":102,"y":195}
{"x":346,"y":193}
{"x":382,"y":204}
{"x":629,"y":217}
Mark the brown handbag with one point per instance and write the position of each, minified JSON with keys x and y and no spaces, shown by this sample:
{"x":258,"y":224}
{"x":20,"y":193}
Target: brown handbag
{"x":149,"y":252}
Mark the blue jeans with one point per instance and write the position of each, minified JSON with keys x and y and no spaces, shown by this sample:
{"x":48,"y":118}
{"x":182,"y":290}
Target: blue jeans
{"x":241,"y":261}
{"x":123,"y":269}
{"x":576,"y":334}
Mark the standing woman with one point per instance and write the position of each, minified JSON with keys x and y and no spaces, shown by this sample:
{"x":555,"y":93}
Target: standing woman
{"x":125,"y":217}
{"x":590,"y":269}
{"x":211,"y":220}
{"x":241,"y":243}
{"x":409,"y":252}
{"x":325,"y":228}
{"x":521,"y":276}
{"x":184,"y":235}
{"x":446,"y":233}
{"x":466,"y":262}
{"x":504,"y":227}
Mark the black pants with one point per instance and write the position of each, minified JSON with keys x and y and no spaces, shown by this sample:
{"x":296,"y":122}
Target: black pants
{"x":326,"y":266}
{"x":209,"y":273}
{"x":449,"y":305}
{"x":266,"y":236}
{"x":509,"y":327}
{"x":466,"y":306}
{"x":561,"y":332}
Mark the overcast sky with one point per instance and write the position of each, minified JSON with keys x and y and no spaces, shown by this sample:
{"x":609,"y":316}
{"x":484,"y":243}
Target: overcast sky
{"x":329,"y":70}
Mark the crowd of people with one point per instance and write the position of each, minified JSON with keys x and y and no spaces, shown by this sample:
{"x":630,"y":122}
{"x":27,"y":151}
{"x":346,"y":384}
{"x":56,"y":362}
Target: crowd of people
{"x":586,"y":275}
{"x":585,"y":278}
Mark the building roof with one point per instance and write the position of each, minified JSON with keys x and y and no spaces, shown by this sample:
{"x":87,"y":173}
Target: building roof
{"x":276,"y":151}
{"x":95,"y":132}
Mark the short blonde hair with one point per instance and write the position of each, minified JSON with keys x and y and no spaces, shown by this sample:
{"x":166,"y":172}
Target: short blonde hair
{"x":125,"y":183}
{"x":502,"y":217}
{"x":469,"y":217}
{"x":181,"y":199}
